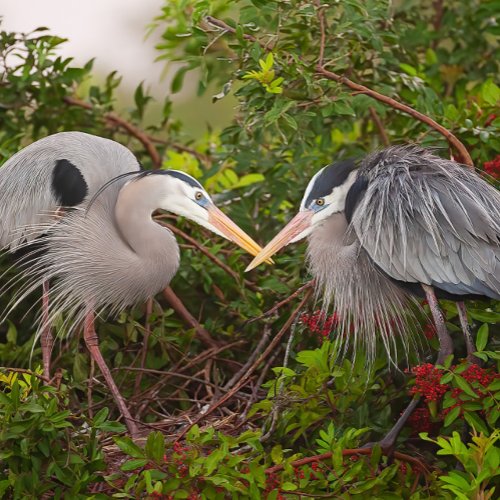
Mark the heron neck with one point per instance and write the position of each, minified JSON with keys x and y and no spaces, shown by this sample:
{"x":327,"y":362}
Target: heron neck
{"x":133,"y":213}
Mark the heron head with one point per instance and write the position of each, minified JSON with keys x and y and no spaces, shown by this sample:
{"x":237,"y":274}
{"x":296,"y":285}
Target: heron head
{"x":325,"y":195}
{"x":183,"y":195}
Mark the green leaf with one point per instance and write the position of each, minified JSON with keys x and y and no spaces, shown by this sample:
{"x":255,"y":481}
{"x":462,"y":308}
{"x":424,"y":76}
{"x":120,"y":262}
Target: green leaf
{"x":277,"y":454}
{"x":482,"y":337}
{"x":452,"y":416}
{"x":409,"y":70}
{"x":287,"y":486}
{"x":155,"y":446}
{"x":490,"y":92}
{"x":476,"y":422}
{"x":248,"y":180}
{"x":464,"y":385}
{"x":129,"y":447}
{"x":101,"y":416}
{"x":178,"y":79}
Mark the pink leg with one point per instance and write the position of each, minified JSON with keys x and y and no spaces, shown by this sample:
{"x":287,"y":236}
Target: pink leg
{"x":445,"y":341}
{"x":46,"y":339}
{"x":92,"y":342}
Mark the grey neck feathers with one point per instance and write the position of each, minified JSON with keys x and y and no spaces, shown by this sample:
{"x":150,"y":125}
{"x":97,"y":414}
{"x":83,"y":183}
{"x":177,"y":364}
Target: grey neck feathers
{"x":365,"y":301}
{"x":135,"y":204}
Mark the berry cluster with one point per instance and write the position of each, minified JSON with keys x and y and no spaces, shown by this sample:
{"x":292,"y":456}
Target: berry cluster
{"x":475,"y":373}
{"x":319,"y":323}
{"x":427,"y":382}
{"x":493,"y":167}
{"x":272,"y":484}
{"x":479,"y":378}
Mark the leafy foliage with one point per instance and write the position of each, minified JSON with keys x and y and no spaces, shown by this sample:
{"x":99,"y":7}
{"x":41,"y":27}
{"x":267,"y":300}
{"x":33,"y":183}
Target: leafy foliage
{"x":295,"y":425}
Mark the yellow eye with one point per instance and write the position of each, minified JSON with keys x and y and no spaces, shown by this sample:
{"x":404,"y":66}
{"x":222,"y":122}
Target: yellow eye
{"x":198,"y":195}
{"x":320,"y":202}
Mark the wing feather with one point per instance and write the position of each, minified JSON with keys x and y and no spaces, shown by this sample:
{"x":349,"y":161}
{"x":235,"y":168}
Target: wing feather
{"x":27,"y":199}
{"x":429,"y":220}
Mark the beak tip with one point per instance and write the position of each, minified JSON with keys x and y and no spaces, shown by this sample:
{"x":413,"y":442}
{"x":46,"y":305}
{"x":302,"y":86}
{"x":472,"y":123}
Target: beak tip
{"x":249,"y":268}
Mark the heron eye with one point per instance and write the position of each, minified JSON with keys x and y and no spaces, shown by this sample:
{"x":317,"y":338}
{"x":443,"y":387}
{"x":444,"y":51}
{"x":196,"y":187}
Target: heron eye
{"x":198,"y":195}
{"x":320,"y":202}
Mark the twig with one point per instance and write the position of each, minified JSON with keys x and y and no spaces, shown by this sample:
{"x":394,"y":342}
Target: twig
{"x":177,"y":370}
{"x":258,"y":383}
{"x":262,"y":342}
{"x":203,"y":158}
{"x":181,"y":310}
{"x":349,"y":452}
{"x":221,"y":24}
{"x":273,"y":309}
{"x":161,"y":372}
{"x":459,"y":147}
{"x":250,"y":371}
{"x":208,"y":254}
{"x":90,"y":384}
{"x":361,"y":89}
{"x":380,"y":126}
{"x":23,"y":370}
{"x":131,"y":129}
{"x":322,"y":29}
{"x":144,"y":349}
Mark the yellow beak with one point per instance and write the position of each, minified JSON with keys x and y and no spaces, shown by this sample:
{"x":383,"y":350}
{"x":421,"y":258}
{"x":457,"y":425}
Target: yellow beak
{"x":298,"y":224}
{"x":231,"y":231}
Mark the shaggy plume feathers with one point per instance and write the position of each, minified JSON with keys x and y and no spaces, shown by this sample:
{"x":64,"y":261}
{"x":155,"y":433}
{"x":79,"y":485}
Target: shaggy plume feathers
{"x":368,"y":305}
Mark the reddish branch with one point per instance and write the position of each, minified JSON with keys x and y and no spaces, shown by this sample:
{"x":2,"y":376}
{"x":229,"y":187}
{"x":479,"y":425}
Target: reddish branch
{"x":361,"y":89}
{"x":380,"y":126}
{"x":245,"y":378}
{"x":322,"y":29}
{"x":208,"y":254}
{"x":349,"y":452}
{"x":464,"y":155}
{"x":181,"y":310}
{"x":127,"y":126}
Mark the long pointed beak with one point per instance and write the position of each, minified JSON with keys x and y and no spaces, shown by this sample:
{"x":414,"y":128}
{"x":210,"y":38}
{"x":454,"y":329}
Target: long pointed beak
{"x":231,"y":231}
{"x":296,"y":226}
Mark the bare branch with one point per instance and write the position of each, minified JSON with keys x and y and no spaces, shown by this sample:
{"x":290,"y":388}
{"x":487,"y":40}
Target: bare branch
{"x":181,"y":310}
{"x":131,"y":129}
{"x":248,"y":374}
{"x":380,"y":126}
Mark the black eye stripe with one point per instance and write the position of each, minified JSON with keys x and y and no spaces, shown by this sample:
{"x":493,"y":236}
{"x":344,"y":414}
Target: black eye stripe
{"x":332,"y":176}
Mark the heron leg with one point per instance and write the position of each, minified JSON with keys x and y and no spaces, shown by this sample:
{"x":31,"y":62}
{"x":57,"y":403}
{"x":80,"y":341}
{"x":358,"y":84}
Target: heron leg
{"x":389,"y":440}
{"x":46,"y":338}
{"x":469,"y":342}
{"x":445,"y":349}
{"x":92,"y":343}
{"x":445,"y":341}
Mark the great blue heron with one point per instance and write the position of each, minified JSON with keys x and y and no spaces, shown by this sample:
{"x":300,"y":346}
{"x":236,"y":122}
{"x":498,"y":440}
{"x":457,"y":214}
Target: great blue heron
{"x":401,"y":223}
{"x":86,"y":207}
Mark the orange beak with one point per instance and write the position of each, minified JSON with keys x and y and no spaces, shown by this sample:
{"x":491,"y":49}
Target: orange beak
{"x":231,"y":231}
{"x":296,"y":226}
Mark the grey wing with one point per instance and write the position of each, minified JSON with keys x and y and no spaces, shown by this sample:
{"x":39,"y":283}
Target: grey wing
{"x":61,"y":170}
{"x":428,"y":220}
